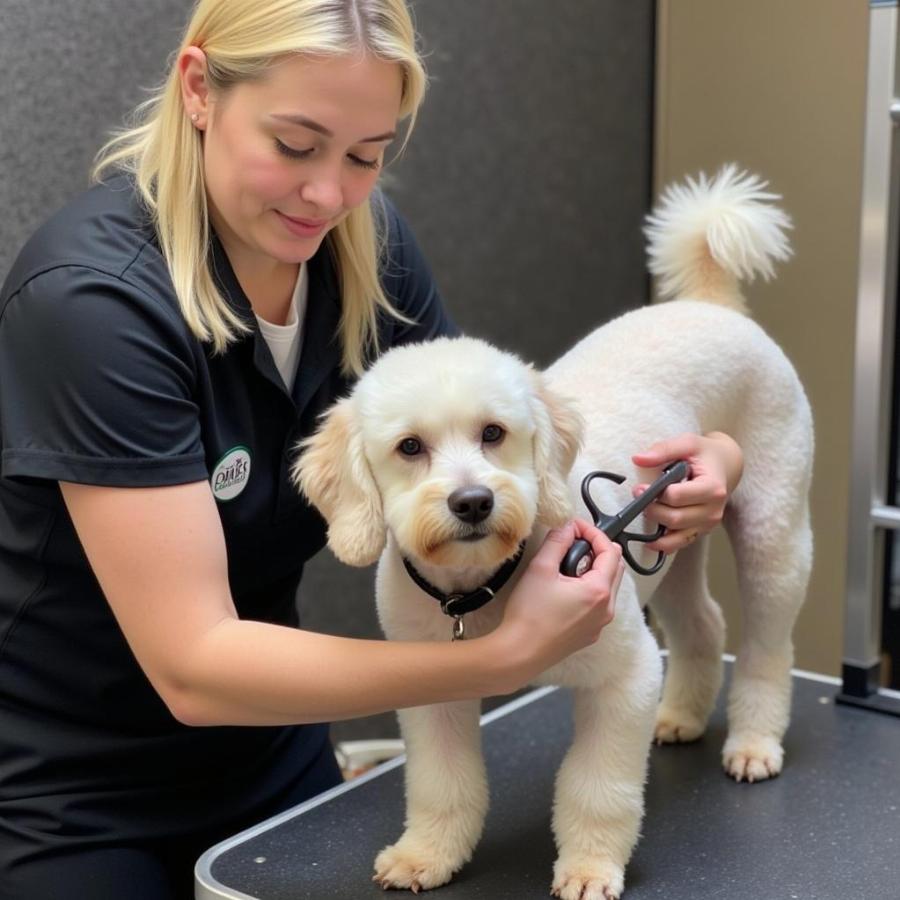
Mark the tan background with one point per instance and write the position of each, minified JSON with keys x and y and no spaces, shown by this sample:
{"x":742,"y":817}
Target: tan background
{"x":779,"y":87}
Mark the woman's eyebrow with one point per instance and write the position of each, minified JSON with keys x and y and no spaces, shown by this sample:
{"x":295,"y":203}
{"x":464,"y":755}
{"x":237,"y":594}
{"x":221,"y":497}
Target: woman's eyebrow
{"x":297,"y":119}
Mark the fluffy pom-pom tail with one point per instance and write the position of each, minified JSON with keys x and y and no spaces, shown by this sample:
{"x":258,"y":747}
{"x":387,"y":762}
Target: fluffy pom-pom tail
{"x":706,"y":236}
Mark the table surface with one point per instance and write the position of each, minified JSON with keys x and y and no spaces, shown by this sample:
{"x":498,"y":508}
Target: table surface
{"x":827,"y":827}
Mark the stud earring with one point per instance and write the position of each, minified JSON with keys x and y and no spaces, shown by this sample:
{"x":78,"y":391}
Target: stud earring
{"x":195,"y":116}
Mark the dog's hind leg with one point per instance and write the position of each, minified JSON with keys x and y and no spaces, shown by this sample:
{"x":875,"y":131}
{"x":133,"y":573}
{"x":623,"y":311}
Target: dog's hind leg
{"x":768,"y":524}
{"x":694,"y":630}
{"x":446,"y":796}
{"x":599,"y":799}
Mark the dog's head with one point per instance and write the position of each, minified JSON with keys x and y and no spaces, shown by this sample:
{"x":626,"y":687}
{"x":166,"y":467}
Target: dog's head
{"x":458,"y":448}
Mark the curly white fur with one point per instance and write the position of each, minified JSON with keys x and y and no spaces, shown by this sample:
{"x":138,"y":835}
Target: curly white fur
{"x":708,"y":234}
{"x":655,"y":372}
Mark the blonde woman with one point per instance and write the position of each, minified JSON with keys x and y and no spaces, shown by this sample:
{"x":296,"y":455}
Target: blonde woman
{"x":165,"y":340}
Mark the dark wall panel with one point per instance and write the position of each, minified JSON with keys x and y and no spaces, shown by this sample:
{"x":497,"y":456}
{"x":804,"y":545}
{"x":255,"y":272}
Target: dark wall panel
{"x":71,"y":72}
{"x":529,"y":171}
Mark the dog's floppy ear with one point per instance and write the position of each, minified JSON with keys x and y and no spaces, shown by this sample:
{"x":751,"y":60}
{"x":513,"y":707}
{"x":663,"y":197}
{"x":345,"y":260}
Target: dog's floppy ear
{"x":556,"y":441}
{"x":333,"y":472}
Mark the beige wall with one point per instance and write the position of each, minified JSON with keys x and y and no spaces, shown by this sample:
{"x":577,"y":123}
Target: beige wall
{"x":778,"y":86}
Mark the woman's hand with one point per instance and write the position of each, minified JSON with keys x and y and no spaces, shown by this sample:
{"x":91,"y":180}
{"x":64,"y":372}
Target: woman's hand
{"x":549,"y":615}
{"x":693,"y":507}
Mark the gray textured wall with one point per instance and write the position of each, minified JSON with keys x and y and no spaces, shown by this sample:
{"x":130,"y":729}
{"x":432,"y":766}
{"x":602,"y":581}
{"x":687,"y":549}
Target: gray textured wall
{"x":526,"y":179}
{"x":71,"y":72}
{"x":530,"y":168}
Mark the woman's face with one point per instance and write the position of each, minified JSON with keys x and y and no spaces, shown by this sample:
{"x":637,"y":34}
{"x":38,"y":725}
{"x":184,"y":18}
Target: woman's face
{"x":287,"y":157}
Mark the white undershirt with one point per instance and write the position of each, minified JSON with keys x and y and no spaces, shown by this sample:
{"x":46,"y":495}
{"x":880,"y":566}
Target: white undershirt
{"x":286,"y":340}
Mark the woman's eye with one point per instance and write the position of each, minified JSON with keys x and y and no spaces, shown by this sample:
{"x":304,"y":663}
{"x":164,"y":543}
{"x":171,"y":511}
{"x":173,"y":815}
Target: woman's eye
{"x":363,"y":163}
{"x":410,"y":447}
{"x":492,"y":434}
{"x":290,"y":151}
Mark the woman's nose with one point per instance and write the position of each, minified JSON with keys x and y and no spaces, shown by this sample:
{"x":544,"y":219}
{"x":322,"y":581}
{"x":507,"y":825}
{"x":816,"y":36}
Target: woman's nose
{"x":323,"y":190}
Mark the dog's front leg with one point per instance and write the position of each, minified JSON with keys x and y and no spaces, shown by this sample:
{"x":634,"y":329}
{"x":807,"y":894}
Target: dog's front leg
{"x":446,"y":796}
{"x":599,"y":799}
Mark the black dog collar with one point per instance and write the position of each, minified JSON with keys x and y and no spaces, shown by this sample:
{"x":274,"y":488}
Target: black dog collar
{"x":457,"y":605}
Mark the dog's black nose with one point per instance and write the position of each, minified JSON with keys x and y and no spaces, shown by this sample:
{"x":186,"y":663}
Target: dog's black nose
{"x":471,"y":504}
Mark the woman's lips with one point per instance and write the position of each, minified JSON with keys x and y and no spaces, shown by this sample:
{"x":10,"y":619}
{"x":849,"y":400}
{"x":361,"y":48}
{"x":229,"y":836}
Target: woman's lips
{"x":303,"y":227}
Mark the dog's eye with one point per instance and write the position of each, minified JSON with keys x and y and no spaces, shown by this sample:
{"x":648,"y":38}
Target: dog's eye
{"x":410,"y":447}
{"x":492,"y":434}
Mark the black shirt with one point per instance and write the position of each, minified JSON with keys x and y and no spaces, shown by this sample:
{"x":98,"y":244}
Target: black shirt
{"x":101,"y":382}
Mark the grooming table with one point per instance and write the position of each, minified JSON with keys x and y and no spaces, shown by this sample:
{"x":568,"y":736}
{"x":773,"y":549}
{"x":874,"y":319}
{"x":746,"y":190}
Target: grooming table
{"x":827,"y":827}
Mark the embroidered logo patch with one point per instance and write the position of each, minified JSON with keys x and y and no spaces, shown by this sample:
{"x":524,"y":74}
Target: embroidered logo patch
{"x":231,"y":474}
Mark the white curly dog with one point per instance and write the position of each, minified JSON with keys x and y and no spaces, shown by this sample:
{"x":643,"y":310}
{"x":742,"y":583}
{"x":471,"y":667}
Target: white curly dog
{"x":696,"y":364}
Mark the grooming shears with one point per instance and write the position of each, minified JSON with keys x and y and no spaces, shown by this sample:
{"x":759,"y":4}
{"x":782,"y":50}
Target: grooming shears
{"x":580,"y":556}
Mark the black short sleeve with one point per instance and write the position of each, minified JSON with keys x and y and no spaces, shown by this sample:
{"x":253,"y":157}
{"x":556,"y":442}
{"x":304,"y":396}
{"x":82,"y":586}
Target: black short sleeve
{"x":410,"y":285}
{"x":96,"y":384}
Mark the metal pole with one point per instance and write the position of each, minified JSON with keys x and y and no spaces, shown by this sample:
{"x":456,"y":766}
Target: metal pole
{"x":870,"y":517}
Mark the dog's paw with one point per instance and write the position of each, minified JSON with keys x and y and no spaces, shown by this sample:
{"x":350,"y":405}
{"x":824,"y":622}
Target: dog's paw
{"x":752,"y":757}
{"x":676,"y":725}
{"x":408,"y":864}
{"x":587,"y":878}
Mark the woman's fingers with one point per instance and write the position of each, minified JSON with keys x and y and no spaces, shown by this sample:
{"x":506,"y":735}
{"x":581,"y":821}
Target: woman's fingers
{"x":599,"y":542}
{"x":692,"y":511}
{"x":672,"y":541}
{"x":682,"y":446}
{"x":556,"y":544}
{"x":697,"y":492}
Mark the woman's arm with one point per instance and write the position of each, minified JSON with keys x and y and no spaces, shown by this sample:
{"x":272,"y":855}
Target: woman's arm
{"x":693,"y":507}
{"x":159,"y":556}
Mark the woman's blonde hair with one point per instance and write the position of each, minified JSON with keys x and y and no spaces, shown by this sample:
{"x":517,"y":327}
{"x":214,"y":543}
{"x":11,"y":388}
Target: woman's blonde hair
{"x":163,"y":151}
